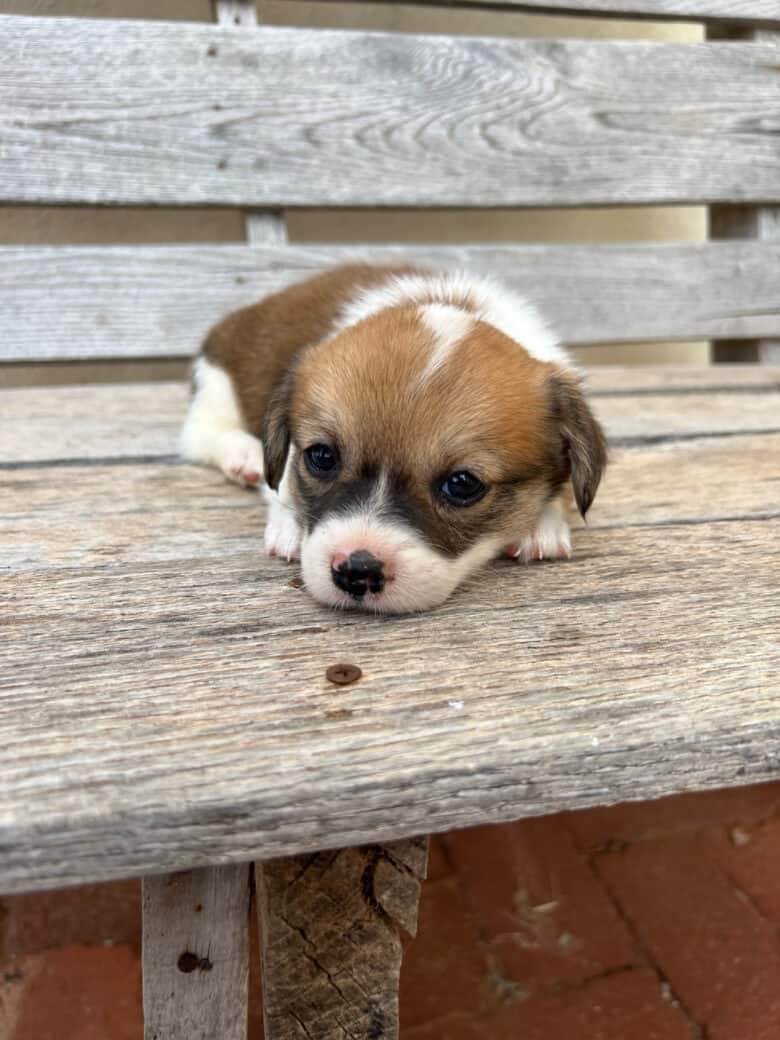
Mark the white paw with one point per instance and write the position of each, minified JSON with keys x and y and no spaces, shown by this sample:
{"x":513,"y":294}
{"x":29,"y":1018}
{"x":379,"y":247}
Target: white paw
{"x":282,"y":532}
{"x":240,"y":457}
{"x":550,"y":541}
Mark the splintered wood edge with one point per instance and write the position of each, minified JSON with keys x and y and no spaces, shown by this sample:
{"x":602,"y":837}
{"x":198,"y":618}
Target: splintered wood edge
{"x":330,"y":925}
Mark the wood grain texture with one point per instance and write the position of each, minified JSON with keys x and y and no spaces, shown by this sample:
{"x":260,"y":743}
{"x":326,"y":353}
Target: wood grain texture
{"x":147,"y":637}
{"x":179,"y":712}
{"x":189,"y":113}
{"x":87,"y":303}
{"x":652,"y":379}
{"x":330,"y":925}
{"x":747,"y":11}
{"x":196,"y":954}
{"x":134,"y":423}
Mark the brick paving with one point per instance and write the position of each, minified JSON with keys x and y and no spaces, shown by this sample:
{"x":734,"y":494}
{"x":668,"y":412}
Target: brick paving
{"x":652,"y":921}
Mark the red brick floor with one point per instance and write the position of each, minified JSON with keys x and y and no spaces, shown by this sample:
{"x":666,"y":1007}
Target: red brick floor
{"x":653,"y":921}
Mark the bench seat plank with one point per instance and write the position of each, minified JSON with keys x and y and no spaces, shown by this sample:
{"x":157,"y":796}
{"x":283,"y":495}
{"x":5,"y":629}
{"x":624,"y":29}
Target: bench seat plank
{"x":164,"y":701}
{"x":154,"y":714}
{"x":236,"y":117}
{"x":76,"y":303}
{"x":163,"y":512}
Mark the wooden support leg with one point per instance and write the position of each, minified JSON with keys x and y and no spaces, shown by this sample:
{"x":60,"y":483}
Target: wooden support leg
{"x":196,"y":954}
{"x":330,"y":926}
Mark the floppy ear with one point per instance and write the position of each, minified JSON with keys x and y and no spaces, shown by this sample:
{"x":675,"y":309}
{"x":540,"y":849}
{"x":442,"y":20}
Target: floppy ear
{"x":584,"y":443}
{"x":275,"y":433}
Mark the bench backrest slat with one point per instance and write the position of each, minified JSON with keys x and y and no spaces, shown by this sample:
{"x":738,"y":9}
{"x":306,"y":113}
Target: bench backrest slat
{"x":757,"y":12}
{"x":126,"y":112}
{"x":81,"y":303}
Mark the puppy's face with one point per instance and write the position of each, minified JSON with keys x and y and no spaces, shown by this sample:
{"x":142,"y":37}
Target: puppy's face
{"x":416,"y":444}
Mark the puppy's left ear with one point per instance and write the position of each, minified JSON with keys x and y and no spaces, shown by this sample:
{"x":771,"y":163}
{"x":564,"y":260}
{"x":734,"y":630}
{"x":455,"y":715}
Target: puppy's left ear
{"x":583,"y":441}
{"x":275,"y":433}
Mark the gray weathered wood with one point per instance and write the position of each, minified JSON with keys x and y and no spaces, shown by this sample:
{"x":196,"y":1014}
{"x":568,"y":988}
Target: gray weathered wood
{"x":195,"y":512}
{"x":754,"y":222}
{"x":81,"y":303}
{"x":653,"y":379}
{"x":330,"y":925}
{"x":138,"y":422}
{"x":196,"y":954}
{"x":230,"y":116}
{"x":755,"y":11}
{"x":650,"y":664}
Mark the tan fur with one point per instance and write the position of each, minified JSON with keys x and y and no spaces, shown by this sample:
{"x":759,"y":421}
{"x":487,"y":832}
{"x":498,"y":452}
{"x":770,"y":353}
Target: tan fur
{"x":487,"y":410}
{"x":487,"y":402}
{"x":255,"y":345}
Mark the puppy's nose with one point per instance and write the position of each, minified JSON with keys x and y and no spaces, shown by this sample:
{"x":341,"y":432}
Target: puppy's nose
{"x":358,"y":573}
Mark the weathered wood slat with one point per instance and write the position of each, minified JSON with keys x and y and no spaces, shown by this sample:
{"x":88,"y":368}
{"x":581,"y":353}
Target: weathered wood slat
{"x":153,"y":713}
{"x":138,"y":422}
{"x":330,"y":926}
{"x":653,"y":379}
{"x":128,"y":515}
{"x":82,"y":303}
{"x":120,"y":421}
{"x":191,"y":113}
{"x":748,"y":11}
{"x":196,"y":954}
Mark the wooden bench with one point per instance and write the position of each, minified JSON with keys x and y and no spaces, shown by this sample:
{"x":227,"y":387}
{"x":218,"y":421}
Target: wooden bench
{"x":165,"y":711}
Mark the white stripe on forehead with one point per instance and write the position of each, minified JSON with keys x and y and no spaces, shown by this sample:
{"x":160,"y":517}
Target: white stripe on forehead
{"x":482,"y":298}
{"x":449,"y":325}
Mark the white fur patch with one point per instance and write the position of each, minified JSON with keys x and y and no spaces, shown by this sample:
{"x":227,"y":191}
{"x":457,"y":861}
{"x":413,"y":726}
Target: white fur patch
{"x":490,"y":302}
{"x":282,"y":530}
{"x":449,"y":325}
{"x":550,"y":541}
{"x":418,"y":576}
{"x":214,"y":432}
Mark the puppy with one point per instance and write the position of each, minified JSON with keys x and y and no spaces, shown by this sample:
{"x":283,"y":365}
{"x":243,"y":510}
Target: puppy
{"x":408,"y":426}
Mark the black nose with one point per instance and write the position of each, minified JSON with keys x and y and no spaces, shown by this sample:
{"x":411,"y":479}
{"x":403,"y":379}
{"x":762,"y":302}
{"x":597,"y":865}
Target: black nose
{"x":360,"y":573}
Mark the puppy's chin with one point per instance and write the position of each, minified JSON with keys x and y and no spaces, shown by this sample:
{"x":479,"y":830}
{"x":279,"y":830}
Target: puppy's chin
{"x":416,"y":577}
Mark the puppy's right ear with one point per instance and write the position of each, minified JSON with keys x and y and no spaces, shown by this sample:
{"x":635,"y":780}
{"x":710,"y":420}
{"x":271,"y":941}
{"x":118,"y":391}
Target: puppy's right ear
{"x":275,"y":433}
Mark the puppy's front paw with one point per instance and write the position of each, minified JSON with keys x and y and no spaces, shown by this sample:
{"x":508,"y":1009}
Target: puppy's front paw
{"x":550,"y":541}
{"x":240,"y":457}
{"x":282,"y":533}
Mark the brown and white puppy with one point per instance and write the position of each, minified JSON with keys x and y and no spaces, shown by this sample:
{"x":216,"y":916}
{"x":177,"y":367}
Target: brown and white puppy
{"x":409,"y":426}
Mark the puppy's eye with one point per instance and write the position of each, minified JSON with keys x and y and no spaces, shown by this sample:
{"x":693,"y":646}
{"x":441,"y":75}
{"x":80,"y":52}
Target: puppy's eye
{"x":321,"y":459}
{"x":462,"y":488}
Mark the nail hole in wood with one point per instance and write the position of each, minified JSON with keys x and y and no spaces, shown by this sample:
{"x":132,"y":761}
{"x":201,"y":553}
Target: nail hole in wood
{"x":188,"y":962}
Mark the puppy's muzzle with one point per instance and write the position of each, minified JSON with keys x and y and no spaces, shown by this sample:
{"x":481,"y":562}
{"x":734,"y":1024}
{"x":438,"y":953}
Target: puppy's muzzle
{"x":358,"y":573}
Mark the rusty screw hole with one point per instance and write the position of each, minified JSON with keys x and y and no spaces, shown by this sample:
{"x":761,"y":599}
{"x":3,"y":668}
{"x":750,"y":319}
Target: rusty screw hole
{"x":188,"y":962}
{"x":343,"y":674}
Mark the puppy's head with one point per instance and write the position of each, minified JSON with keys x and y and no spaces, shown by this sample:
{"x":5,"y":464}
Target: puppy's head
{"x":414,"y":445}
